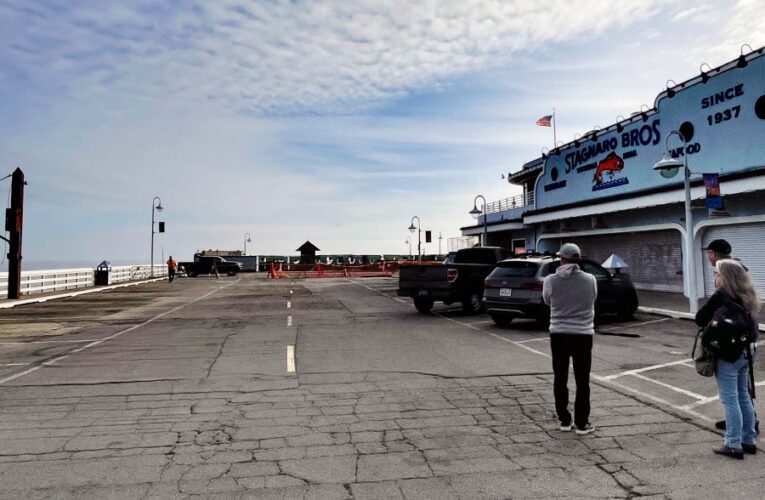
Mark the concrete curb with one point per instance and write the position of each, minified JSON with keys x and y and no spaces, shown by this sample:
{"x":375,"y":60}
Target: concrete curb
{"x":35,"y":300}
{"x":677,"y":314}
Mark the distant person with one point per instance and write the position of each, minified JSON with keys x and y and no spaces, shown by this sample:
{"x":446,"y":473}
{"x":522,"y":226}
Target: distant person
{"x":733,"y":378}
{"x":215,"y":268}
{"x":721,"y":249}
{"x":717,"y":250}
{"x":571,"y":293}
{"x":171,"y":267}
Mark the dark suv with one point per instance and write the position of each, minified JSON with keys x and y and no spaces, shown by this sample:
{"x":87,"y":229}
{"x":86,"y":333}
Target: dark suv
{"x":514,"y":289}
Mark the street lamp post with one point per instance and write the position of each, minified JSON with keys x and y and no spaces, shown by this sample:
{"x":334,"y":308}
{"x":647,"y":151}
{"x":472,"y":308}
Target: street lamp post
{"x":159,"y":208}
{"x":409,"y":242}
{"x":419,"y":239}
{"x":246,"y":240}
{"x":475,"y":213}
{"x":668,"y":167}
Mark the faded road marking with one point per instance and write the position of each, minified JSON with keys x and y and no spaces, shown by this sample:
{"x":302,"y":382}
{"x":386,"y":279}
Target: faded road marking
{"x":290,"y":359}
{"x":121,"y":332}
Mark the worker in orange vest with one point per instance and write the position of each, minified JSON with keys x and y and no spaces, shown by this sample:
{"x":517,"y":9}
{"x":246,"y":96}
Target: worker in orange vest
{"x":171,"y":267}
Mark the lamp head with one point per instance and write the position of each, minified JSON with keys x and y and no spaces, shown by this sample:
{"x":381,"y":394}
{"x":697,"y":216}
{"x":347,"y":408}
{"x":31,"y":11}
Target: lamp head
{"x":668,"y":166}
{"x":475,"y":212}
{"x":411,"y":227}
{"x":249,"y":240}
{"x":159,"y":207}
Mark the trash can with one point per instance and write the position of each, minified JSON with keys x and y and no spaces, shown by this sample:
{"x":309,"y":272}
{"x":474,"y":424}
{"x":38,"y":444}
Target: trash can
{"x":103,"y":274}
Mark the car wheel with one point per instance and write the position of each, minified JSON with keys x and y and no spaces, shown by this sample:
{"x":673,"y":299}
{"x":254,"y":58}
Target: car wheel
{"x":543,"y":320}
{"x":502,"y":320}
{"x":192,"y":274}
{"x":473,"y":303}
{"x":423,"y":305}
{"x":627,"y":310}
{"x":231,"y":273}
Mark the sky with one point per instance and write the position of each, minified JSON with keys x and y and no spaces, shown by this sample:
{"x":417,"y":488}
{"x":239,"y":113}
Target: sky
{"x":329,"y":121}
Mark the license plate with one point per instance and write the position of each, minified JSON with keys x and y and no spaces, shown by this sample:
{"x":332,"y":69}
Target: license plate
{"x":505,"y":292}
{"x":422,"y":293}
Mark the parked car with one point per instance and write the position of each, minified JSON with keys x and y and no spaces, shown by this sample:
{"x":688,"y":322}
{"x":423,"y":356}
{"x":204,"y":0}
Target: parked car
{"x":514,"y":289}
{"x":204,"y":265}
{"x":460,"y":280}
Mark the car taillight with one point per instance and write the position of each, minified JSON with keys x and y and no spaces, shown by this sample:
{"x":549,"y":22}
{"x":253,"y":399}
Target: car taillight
{"x":488,"y":283}
{"x":531,"y":285}
{"x":451,"y":274}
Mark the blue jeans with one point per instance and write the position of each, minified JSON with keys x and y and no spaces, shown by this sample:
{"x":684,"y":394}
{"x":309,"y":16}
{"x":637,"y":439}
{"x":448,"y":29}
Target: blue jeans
{"x":733,"y":388}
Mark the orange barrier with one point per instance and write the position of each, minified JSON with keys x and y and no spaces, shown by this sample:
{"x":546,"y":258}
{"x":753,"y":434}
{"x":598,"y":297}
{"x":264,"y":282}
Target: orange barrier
{"x":383,"y":269}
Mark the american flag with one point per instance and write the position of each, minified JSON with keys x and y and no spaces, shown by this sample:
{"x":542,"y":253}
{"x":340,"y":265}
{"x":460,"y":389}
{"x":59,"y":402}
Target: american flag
{"x":544,"y":121}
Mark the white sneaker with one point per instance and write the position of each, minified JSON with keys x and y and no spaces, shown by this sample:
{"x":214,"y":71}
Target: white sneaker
{"x":587,"y":429}
{"x":566,"y":428}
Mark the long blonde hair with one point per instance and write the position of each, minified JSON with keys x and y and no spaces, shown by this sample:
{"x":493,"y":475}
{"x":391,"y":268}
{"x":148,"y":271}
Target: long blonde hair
{"x":735,"y":281}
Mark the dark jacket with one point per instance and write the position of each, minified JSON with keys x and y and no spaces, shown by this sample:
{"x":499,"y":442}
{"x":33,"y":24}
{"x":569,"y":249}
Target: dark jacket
{"x":717,"y":300}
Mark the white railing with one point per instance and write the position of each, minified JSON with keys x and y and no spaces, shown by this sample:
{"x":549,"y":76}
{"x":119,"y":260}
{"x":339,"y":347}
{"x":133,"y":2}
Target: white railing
{"x":58,"y":280}
{"x":517,"y":201}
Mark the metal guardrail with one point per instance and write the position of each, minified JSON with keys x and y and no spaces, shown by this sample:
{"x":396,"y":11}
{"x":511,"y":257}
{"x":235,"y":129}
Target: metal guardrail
{"x":517,"y":201}
{"x":56,"y":280}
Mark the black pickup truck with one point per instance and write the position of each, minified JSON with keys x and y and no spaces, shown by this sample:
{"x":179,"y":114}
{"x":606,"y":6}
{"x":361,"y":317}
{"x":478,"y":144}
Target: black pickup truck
{"x":460,"y":280}
{"x":204,"y":265}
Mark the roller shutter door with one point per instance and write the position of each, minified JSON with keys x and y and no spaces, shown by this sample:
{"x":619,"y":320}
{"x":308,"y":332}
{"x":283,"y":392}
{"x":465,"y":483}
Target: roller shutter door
{"x":747,"y":243}
{"x":655,"y":257}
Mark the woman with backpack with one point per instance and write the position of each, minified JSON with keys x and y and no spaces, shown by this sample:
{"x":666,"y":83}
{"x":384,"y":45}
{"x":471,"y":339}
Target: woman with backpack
{"x":735,"y":297}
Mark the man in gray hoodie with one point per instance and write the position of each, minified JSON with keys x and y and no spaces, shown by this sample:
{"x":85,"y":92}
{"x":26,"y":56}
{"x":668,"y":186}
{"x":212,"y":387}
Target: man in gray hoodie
{"x":571,"y":293}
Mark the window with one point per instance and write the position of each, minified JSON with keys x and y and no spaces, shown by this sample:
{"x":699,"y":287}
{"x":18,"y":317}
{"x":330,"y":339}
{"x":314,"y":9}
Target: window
{"x":515,"y":270}
{"x":594,"y":269}
{"x":519,"y":246}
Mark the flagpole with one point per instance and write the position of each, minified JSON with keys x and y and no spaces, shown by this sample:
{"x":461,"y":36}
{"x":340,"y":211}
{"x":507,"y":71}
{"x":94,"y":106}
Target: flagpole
{"x":555,"y":138}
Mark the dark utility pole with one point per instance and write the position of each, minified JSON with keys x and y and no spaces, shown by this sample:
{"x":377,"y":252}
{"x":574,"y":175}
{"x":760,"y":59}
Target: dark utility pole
{"x":14,"y":222}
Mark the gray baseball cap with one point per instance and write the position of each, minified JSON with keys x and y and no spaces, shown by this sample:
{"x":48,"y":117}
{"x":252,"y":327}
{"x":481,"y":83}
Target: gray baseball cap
{"x":570,"y":251}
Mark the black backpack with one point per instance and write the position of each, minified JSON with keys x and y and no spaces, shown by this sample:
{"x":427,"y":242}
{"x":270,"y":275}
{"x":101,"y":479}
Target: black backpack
{"x":729,"y":333}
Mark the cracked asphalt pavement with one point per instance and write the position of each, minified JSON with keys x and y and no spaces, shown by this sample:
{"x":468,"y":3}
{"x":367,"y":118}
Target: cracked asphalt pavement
{"x":191,"y":390}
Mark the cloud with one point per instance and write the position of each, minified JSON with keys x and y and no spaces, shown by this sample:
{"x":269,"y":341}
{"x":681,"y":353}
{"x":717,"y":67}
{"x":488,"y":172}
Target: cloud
{"x":284,"y":57}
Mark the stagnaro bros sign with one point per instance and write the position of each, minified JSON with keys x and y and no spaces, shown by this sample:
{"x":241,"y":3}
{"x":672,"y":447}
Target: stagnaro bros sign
{"x":721,"y":116}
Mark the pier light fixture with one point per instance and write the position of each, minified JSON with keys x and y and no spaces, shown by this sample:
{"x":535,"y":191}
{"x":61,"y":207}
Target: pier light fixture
{"x":668,"y":167}
{"x":476,"y":213}
{"x":419,"y":234}
{"x":246,"y":240}
{"x":670,"y":89}
{"x":156,"y":204}
{"x":742,"y":62}
{"x":704,"y":74}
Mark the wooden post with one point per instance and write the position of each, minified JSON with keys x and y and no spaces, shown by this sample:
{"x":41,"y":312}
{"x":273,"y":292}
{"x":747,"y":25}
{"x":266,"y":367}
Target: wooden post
{"x":14,"y":222}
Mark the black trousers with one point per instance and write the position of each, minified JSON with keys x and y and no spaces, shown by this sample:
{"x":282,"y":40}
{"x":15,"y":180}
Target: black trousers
{"x":578,"y":348}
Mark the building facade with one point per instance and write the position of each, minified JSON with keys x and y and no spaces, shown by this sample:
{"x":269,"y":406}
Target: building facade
{"x":602,"y":192}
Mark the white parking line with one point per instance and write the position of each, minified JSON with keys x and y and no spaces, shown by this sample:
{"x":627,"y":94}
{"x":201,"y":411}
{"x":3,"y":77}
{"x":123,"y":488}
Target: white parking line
{"x":533,"y":340}
{"x":646,"y":369}
{"x":710,"y":399}
{"x":115,"y":335}
{"x":609,"y":380}
{"x":289,"y":320}
{"x":290,"y":359}
{"x":632,"y":325}
{"x":49,"y":342}
{"x":540,"y":353}
{"x":653,"y":398}
{"x":289,"y":305}
{"x":671,"y":387}
{"x":15,"y":364}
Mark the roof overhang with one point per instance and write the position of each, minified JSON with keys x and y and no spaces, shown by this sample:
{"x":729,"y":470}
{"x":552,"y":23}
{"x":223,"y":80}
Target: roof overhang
{"x":652,"y":199}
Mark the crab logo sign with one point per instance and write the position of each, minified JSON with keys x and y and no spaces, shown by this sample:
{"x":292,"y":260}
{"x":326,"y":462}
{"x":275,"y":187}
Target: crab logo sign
{"x":611,"y":165}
